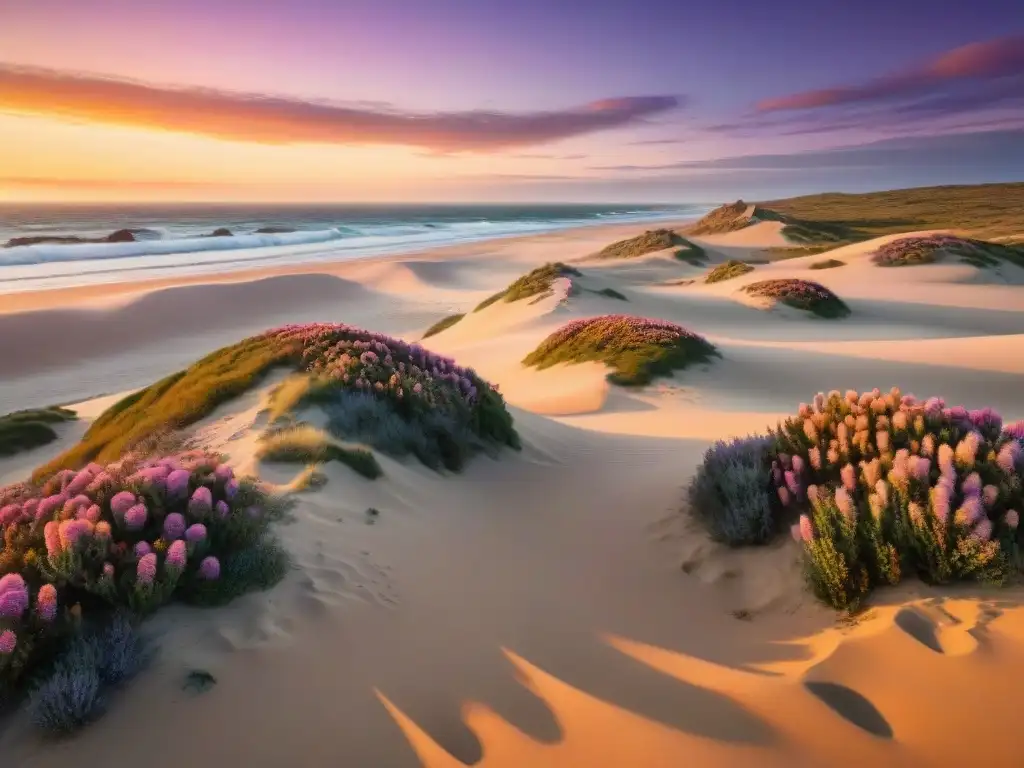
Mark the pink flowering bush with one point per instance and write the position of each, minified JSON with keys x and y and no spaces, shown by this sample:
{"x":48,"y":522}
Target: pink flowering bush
{"x":910,"y":251}
{"x":800,"y":294}
{"x":124,"y":536}
{"x":405,"y":378}
{"x":886,"y":485}
{"x":636,"y":348}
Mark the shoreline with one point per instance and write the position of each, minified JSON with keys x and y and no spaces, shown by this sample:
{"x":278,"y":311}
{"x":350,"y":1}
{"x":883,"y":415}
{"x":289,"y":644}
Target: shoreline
{"x":100,"y":294}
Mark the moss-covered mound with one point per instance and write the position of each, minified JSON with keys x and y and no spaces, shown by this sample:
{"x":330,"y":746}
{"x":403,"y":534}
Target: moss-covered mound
{"x":338,"y":360}
{"x":728,"y":271}
{"x":443,"y":324}
{"x":636,"y":348}
{"x":800,"y":294}
{"x":24,"y":430}
{"x":911,"y":251}
{"x":650,"y":241}
{"x":535,"y":283}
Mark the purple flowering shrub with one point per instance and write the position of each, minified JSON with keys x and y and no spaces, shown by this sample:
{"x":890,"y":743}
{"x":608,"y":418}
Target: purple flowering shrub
{"x":636,"y":348}
{"x":800,"y":294}
{"x":132,"y":535}
{"x":910,"y":251}
{"x":887,"y":485}
{"x":339,"y":358}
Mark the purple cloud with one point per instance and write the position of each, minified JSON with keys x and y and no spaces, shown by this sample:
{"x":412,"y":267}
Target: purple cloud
{"x":268,"y":119}
{"x":990,"y":60}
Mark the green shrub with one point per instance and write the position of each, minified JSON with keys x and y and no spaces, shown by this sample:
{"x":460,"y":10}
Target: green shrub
{"x":304,"y":443}
{"x":827,"y":264}
{"x":649,"y":242}
{"x":637,"y":349}
{"x":728,"y":271}
{"x":611,"y":293}
{"x":24,"y":430}
{"x":535,"y":283}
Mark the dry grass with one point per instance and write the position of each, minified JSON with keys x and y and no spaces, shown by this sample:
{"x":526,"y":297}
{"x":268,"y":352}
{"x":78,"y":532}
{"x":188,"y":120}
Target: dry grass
{"x":728,"y":271}
{"x":305,"y":444}
{"x":827,"y":264}
{"x":443,"y":324}
{"x":649,"y":242}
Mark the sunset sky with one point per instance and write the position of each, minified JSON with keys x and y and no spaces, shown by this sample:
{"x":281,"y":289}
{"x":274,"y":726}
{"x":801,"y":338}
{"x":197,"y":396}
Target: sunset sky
{"x":532,"y":100}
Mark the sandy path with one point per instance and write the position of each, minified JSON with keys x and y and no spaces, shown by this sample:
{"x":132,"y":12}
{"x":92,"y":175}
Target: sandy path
{"x":554,"y":607}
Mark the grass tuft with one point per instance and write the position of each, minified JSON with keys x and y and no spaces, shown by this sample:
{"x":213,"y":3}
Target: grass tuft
{"x":827,"y":264}
{"x":304,"y":443}
{"x":535,"y":283}
{"x":443,"y":324}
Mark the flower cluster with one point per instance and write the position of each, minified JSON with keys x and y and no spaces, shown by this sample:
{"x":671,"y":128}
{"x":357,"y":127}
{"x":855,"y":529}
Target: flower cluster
{"x":800,"y":294}
{"x":133,"y":533}
{"x":637,"y":348}
{"x":887,"y":484}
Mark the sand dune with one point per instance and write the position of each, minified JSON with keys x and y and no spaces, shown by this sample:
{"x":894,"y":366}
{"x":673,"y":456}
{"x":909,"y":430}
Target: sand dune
{"x":554,"y":607}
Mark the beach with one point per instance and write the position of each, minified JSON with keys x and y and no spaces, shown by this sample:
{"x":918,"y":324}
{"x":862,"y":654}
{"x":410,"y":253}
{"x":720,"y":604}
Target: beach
{"x":556,"y":606}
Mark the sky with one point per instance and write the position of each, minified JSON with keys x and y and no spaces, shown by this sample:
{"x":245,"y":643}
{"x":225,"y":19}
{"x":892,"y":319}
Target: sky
{"x":485,"y":101}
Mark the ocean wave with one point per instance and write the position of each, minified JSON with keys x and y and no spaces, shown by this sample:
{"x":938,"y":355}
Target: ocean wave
{"x":49,"y":253}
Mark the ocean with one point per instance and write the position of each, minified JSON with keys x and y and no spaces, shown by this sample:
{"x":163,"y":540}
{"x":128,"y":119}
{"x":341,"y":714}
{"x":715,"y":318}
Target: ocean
{"x":175,"y":240}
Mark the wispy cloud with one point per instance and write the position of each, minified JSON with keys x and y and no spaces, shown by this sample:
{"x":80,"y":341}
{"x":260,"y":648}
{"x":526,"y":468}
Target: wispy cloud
{"x":263,"y":118}
{"x":1004,"y":149}
{"x":982,"y":61}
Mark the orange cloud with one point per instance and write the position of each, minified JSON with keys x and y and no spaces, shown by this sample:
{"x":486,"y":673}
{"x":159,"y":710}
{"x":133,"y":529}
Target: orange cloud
{"x":262,"y":118}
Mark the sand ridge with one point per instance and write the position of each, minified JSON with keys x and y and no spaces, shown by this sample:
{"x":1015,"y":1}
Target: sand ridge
{"x":554,"y":606}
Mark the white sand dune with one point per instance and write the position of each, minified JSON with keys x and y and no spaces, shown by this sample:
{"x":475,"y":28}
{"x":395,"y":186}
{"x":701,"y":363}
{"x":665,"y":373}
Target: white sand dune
{"x":555,"y":606}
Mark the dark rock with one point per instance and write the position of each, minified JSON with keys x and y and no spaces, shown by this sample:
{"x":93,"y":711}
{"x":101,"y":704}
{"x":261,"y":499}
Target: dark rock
{"x":120,"y":236}
{"x":274,"y":230}
{"x":221,"y":232}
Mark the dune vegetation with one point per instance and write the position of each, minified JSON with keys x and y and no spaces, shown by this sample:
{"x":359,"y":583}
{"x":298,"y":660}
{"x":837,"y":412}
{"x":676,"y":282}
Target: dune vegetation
{"x":305,"y":444}
{"x":911,"y":251}
{"x":535,"y":283}
{"x":827,"y":264}
{"x":636,"y":349}
{"x":800,"y":294}
{"x":877,"y":487}
{"x":611,"y":293}
{"x":442,"y":325}
{"x":88,"y":554}
{"x":335,"y":359}
{"x":691,"y":253}
{"x":650,"y":241}
{"x":727,"y":271}
{"x":24,"y":430}
{"x":725,"y":218}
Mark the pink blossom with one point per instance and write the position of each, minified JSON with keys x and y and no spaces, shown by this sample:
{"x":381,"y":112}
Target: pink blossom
{"x":814,"y":455}
{"x":46,"y":602}
{"x":983,"y":530}
{"x":940,"y":502}
{"x":231,"y":488}
{"x":108,"y":570}
{"x":195,"y":533}
{"x":783,"y":496}
{"x":845,"y":504}
{"x":899,"y":421}
{"x":806,"y":529}
{"x":73,"y":531}
{"x":122,"y":502}
{"x":176,"y":555}
{"x":916,"y":513}
{"x":145,"y":569}
{"x":223,"y":510}
{"x":812,"y":493}
{"x":1012,"y":519}
{"x":201,"y":502}
{"x":135,"y":517}
{"x":51,"y":536}
{"x":177,"y":483}
{"x":8,"y":642}
{"x":971,"y":485}
{"x":209,"y":569}
{"x":174,"y":526}
{"x":1008,"y":457}
{"x":1015,"y":430}
{"x":13,"y":596}
{"x":928,"y":445}
{"x":102,"y":530}
{"x":142,"y":549}
{"x":849,"y":477}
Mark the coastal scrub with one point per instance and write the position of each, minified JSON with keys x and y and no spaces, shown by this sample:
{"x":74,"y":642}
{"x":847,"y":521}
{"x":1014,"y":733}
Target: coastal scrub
{"x":727,"y":271}
{"x":538,"y":282}
{"x":24,"y":430}
{"x":636,"y":348}
{"x":335,"y":359}
{"x":800,"y":294}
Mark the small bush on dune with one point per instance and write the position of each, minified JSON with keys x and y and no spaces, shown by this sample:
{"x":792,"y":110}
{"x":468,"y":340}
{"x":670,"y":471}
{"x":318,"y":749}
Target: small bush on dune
{"x":732,"y":491}
{"x":443,"y":324}
{"x":728,"y":271}
{"x":535,"y":283}
{"x":650,"y":241}
{"x":304,"y":443}
{"x":911,"y":251}
{"x":636,"y":348}
{"x":827,"y":264}
{"x":611,"y":293}
{"x":128,"y":536}
{"x":691,"y":253}
{"x":24,"y":430}
{"x":883,"y":485}
{"x":334,"y":358}
{"x":724,"y":218}
{"x":801,"y":294}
